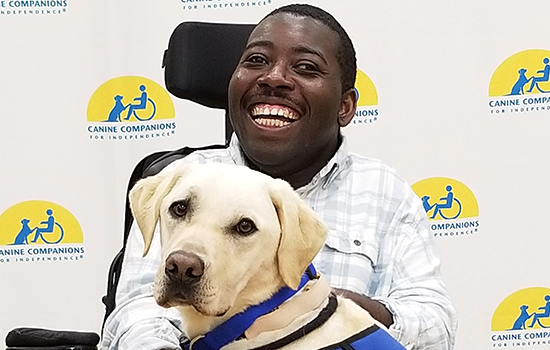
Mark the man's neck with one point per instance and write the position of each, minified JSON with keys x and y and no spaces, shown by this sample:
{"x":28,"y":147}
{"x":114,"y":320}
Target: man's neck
{"x":299,"y":176}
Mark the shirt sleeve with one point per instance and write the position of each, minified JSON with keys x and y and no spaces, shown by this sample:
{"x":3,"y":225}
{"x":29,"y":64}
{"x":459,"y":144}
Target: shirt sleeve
{"x":138,"y":323}
{"x":412,"y":287}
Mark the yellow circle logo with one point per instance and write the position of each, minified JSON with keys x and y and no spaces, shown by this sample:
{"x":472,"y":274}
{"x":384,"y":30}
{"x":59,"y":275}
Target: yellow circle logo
{"x":38,"y":222}
{"x":130,"y":99}
{"x":525,"y":309}
{"x":526,"y":72}
{"x":367,"y":100}
{"x":446,"y":199}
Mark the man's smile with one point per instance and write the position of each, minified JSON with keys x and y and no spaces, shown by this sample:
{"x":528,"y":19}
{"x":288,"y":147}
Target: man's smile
{"x":273,"y":116}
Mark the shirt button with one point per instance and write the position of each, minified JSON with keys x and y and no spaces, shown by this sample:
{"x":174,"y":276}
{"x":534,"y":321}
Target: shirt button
{"x":357,"y":242}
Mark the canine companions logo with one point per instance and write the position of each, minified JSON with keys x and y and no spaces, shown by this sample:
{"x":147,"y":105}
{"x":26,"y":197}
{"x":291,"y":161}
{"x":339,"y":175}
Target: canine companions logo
{"x":450,"y":205}
{"x":190,"y":5}
{"x":130,"y":108}
{"x":367,"y":100}
{"x":32,"y":7}
{"x":521,"y":84}
{"x":522,"y":319}
{"x":39,"y":231}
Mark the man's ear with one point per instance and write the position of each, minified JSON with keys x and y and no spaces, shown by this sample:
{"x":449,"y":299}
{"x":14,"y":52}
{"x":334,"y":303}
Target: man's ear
{"x":302,"y":233}
{"x":347,"y":107}
{"x":146,"y":197}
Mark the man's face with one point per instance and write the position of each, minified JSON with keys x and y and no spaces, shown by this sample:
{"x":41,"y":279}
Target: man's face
{"x":285,"y":95}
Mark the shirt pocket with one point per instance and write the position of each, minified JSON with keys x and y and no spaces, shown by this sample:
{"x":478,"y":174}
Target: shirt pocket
{"x":349,"y":259}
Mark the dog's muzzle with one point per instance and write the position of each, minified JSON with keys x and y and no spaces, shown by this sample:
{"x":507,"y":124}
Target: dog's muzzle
{"x":183,"y":272}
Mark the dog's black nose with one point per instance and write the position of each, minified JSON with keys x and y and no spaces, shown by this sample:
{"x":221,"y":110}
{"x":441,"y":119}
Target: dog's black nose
{"x":182,"y":266}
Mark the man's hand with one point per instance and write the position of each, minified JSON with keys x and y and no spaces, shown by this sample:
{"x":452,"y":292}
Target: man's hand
{"x":375,"y":308}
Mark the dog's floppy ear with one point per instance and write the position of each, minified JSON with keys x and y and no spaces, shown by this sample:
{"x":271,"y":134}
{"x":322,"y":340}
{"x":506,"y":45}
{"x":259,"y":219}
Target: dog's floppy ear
{"x":146,"y":197}
{"x":302,"y":233}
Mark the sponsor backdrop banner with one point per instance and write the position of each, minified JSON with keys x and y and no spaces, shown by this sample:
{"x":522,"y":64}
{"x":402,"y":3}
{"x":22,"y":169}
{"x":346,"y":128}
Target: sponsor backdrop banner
{"x":454,"y":94}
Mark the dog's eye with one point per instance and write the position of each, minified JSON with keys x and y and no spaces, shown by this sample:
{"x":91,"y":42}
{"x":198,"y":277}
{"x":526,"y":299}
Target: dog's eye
{"x":246,"y":227}
{"x":179,"y":209}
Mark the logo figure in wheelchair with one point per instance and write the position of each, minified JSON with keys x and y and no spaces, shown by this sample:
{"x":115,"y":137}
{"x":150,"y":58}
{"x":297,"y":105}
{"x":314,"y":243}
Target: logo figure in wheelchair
{"x":448,"y":208}
{"x":544,"y":77}
{"x":54,"y":231}
{"x":144,"y":110}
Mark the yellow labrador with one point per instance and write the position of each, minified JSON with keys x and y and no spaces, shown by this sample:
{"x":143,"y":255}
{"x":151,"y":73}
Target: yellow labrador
{"x":232,"y":237}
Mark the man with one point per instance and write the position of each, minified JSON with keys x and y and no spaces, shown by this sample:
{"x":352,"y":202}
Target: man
{"x":290,"y":94}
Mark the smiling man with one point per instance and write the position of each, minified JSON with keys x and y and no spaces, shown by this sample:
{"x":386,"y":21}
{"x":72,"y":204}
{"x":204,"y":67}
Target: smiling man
{"x":289,"y":97}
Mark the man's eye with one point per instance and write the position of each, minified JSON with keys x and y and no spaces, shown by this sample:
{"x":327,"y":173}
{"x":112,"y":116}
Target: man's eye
{"x":179,"y":209}
{"x":245,"y":227}
{"x":256,"y":59}
{"x":307,"y":67}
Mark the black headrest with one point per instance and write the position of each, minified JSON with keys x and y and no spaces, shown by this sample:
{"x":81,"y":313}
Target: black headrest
{"x":200,"y":60}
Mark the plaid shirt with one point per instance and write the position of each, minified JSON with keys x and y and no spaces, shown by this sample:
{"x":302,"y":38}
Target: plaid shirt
{"x":379,"y":245}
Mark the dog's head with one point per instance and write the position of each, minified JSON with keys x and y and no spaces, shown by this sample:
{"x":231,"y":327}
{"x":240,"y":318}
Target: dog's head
{"x":230,"y":236}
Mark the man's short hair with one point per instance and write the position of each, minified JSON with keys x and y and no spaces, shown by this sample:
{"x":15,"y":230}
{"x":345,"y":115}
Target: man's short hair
{"x":345,"y":54}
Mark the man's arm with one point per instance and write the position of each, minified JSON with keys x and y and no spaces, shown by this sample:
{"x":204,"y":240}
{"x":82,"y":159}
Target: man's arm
{"x":388,"y":259}
{"x":412,"y":287}
{"x":376,"y":309}
{"x":138,"y":323}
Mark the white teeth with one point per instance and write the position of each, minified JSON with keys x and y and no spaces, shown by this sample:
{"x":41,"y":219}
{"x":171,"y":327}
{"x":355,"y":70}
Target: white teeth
{"x":271,"y":122}
{"x":282,"y":112}
{"x":290,"y":115}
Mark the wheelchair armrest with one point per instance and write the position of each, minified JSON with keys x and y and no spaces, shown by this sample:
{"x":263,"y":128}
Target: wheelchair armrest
{"x":63,"y":347}
{"x":48,"y":339}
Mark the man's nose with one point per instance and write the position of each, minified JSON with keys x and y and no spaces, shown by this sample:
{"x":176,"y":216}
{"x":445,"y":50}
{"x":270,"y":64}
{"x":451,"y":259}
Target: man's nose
{"x":277,"y":75}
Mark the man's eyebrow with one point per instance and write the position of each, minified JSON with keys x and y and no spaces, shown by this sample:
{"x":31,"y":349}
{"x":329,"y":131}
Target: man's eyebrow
{"x":259,"y":43}
{"x":298,"y":49}
{"x":311,"y":51}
